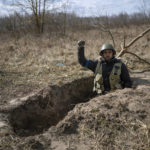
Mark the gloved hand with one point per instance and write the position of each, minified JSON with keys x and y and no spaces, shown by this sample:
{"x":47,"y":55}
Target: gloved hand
{"x":81,"y":43}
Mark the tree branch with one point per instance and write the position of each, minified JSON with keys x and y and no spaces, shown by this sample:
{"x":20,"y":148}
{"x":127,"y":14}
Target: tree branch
{"x":138,"y":37}
{"x":124,"y":48}
{"x":138,"y":57}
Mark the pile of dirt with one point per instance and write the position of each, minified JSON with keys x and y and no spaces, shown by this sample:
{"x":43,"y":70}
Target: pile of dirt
{"x":117,"y":120}
{"x":114,"y":121}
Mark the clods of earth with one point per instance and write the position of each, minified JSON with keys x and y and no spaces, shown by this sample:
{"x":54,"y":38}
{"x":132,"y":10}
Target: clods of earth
{"x":70,"y":117}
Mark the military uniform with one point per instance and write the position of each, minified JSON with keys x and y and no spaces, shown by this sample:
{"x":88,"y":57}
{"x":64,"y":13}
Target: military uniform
{"x":109,"y":75}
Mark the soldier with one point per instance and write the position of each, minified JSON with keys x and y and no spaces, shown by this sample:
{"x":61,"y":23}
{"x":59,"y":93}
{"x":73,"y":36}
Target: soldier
{"x":110,"y":72}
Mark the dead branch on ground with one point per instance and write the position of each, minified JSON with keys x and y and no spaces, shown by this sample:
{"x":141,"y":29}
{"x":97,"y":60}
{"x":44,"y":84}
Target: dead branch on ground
{"x":125,"y":47}
{"x":141,"y":59}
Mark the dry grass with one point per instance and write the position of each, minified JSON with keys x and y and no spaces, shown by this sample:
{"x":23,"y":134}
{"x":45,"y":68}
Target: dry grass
{"x":29,"y":63}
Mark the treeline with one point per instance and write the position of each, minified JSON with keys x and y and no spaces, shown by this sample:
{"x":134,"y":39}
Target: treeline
{"x":62,"y":22}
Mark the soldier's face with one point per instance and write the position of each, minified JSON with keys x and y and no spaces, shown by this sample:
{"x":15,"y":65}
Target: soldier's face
{"x":108,"y":54}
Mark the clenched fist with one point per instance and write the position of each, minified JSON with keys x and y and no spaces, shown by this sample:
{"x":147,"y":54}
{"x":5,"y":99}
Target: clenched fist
{"x":81,"y":43}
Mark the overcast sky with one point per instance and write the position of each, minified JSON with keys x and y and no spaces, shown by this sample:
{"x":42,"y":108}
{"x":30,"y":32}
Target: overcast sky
{"x":92,"y":7}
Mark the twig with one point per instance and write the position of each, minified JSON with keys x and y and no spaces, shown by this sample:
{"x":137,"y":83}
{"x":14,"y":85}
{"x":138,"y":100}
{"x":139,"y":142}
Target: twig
{"x":138,"y":37}
{"x":138,"y":57}
{"x":112,"y":38}
{"x":124,"y":48}
{"x":104,"y":29}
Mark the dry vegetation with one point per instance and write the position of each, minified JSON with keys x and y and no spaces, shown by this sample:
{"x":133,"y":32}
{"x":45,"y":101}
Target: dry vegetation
{"x":31,"y":62}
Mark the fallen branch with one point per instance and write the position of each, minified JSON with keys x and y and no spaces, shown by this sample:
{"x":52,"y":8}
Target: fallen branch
{"x":138,"y":37}
{"x":125,"y":47}
{"x":138,"y":57}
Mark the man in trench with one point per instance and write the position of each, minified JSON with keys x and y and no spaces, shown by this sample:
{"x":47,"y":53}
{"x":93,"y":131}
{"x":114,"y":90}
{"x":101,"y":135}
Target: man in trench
{"x":110,"y":73}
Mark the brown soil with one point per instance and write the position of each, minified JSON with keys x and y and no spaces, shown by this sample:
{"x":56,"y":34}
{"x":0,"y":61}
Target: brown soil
{"x":32,"y":114}
{"x":46,"y":106}
{"x":116,"y":120}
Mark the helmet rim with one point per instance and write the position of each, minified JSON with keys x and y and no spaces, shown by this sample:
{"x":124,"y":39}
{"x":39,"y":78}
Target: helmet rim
{"x":107,"y":47}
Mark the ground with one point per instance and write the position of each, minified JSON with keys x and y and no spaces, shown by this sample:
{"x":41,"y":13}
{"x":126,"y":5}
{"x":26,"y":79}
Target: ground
{"x":46,"y":99}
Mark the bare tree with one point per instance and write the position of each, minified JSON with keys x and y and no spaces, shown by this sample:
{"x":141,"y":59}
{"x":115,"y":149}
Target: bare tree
{"x":145,"y":10}
{"x":65,"y":7}
{"x":102,"y":23}
{"x":37,"y":8}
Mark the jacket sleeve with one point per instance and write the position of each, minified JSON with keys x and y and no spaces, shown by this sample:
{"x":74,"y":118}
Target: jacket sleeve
{"x":125,"y":77}
{"x":90,"y":64}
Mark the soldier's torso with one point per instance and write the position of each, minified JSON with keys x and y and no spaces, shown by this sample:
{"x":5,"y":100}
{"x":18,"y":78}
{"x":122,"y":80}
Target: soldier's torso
{"x":107,"y":76}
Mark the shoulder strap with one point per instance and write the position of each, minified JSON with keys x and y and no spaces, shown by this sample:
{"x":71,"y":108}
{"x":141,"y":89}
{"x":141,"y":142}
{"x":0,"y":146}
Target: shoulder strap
{"x":119,"y":60}
{"x":117,"y":68}
{"x":118,"y":64}
{"x":98,"y":67}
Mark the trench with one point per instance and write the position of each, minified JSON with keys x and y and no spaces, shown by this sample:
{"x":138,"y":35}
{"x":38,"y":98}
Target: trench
{"x":46,"y":108}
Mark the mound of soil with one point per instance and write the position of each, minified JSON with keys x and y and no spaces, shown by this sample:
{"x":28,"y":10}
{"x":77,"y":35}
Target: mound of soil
{"x":117,"y":120}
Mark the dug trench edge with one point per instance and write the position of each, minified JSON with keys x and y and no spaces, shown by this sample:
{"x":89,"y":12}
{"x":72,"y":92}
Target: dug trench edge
{"x":35,"y":113}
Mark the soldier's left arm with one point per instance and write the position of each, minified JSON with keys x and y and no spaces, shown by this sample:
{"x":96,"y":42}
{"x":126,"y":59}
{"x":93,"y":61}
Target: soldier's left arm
{"x":125,"y":77}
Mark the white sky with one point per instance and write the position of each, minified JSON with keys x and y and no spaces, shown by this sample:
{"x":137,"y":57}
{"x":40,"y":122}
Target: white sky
{"x":91,"y":8}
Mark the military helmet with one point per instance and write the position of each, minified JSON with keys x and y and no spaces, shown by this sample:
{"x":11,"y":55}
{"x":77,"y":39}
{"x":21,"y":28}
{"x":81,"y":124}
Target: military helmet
{"x":105,"y":47}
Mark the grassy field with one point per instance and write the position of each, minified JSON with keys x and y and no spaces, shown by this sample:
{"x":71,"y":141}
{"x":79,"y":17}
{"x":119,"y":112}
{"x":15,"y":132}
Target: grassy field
{"x":29,"y":62}
{"x":118,"y":120}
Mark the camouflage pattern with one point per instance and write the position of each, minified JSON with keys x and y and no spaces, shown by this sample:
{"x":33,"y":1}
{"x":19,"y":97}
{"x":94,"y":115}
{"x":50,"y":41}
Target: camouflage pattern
{"x":98,"y":80}
{"x":114,"y":78}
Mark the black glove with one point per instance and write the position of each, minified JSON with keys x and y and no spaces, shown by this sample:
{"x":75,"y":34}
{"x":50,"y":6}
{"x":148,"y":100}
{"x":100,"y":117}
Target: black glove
{"x":81,"y":43}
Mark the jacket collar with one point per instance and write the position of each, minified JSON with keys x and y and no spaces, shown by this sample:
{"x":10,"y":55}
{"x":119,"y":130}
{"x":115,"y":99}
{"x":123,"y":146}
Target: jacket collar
{"x":112,"y":60}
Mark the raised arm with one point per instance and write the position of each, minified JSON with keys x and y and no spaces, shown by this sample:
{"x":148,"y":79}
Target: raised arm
{"x":90,"y":64}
